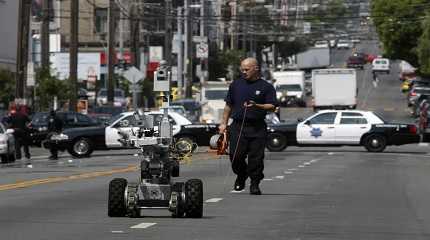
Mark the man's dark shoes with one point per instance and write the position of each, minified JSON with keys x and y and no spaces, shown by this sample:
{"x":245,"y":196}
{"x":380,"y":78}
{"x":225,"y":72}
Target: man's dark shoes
{"x":254,"y":189}
{"x":239,"y":184}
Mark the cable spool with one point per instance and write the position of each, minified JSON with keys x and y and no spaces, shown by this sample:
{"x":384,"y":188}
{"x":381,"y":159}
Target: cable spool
{"x":220,"y":143}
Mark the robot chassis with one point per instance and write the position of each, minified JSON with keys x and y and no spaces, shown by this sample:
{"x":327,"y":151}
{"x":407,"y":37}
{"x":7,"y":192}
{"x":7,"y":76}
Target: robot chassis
{"x":159,"y":163}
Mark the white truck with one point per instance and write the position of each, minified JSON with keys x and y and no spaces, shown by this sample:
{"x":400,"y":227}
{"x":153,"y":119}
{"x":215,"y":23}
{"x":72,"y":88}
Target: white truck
{"x":212,"y":100}
{"x":289,"y":87}
{"x":312,"y":58}
{"x":334,"y":88}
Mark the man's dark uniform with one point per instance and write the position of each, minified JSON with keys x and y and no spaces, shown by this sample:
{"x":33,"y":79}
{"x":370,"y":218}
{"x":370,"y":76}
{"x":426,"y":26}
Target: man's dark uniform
{"x":55,"y":126}
{"x":252,"y":141}
{"x":19,"y":121}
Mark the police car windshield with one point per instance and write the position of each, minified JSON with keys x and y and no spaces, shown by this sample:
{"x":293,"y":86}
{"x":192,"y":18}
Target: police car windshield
{"x":289,"y":87}
{"x":216,"y":94}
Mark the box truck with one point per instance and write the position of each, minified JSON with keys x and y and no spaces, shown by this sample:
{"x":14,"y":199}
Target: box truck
{"x":289,"y":87}
{"x":334,"y":88}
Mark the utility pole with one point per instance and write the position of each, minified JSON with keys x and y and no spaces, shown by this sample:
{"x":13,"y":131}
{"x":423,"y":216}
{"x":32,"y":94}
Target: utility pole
{"x":111,"y":43}
{"x":188,"y":52}
{"x":168,"y":33}
{"x":74,"y":39}
{"x":233,"y":24}
{"x":134,"y":36}
{"x":44,"y":36}
{"x":180,"y":52}
{"x":22,"y":49}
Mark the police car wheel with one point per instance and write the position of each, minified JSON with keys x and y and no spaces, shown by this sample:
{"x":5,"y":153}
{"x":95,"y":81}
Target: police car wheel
{"x":375,"y":143}
{"x":276,"y":142}
{"x":81,"y":147}
{"x":116,"y":202}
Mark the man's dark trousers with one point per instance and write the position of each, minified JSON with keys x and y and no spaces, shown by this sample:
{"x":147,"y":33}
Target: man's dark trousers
{"x":251,"y":145}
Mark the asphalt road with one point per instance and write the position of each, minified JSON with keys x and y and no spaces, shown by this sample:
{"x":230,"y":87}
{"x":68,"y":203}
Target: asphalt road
{"x":308,"y":193}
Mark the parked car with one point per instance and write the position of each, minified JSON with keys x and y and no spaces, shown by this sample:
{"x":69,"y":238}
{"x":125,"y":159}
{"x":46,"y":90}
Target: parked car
{"x":415,"y":93}
{"x":192,"y":107}
{"x":340,"y":128}
{"x":321,"y":44}
{"x":381,"y":65}
{"x":344,"y":44}
{"x":356,"y":62}
{"x":119,"y":97}
{"x":7,"y":144}
{"x":81,"y":142}
{"x":39,"y":124}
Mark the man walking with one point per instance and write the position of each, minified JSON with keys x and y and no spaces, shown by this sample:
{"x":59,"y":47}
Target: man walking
{"x":247,"y":102}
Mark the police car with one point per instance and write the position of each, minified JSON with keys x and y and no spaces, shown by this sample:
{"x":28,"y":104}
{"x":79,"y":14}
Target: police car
{"x":341,"y":127}
{"x":81,"y":142}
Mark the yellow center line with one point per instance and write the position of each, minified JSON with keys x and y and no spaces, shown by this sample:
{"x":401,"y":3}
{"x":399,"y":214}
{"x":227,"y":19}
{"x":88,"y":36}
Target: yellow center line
{"x":130,"y":168}
{"x":34,"y":182}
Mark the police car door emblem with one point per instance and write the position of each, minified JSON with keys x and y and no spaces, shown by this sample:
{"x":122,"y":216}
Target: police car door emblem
{"x":257,"y":92}
{"x":316,"y":132}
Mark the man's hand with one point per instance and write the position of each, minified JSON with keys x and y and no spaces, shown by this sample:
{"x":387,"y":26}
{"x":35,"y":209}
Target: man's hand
{"x":249,"y":104}
{"x":222,"y":128}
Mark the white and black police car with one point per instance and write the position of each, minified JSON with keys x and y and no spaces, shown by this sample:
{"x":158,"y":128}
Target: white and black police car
{"x":341,"y":128}
{"x":81,"y":142}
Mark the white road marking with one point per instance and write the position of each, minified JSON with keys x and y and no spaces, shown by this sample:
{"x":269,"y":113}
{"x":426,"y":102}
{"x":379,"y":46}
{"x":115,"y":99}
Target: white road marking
{"x":314,"y":160}
{"x":307,"y":163}
{"x":330,"y":153}
{"x":117,"y":231}
{"x":375,"y":84}
{"x":423,"y":144}
{"x":234,"y":191}
{"x":136,"y":155}
{"x":279,"y":177}
{"x":30,"y":166}
{"x":292,"y":169}
{"x":143,"y":225}
{"x":213,"y":200}
{"x":301,"y":166}
{"x":70,"y":160}
{"x":288,"y":172}
{"x":268,"y":179}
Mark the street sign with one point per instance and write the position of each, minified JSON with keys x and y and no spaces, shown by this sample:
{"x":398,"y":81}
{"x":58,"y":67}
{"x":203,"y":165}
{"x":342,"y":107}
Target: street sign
{"x":133,"y":75}
{"x":202,"y":50}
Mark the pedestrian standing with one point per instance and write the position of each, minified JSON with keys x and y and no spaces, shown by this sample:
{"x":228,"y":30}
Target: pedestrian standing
{"x":55,"y":126}
{"x":248,"y":100}
{"x":19,"y":123}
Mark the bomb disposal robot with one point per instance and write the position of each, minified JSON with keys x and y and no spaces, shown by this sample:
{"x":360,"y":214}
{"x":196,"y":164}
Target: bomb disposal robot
{"x":159,"y":163}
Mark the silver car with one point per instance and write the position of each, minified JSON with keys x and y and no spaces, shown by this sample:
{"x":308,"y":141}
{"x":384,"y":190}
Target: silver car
{"x":7,"y":144}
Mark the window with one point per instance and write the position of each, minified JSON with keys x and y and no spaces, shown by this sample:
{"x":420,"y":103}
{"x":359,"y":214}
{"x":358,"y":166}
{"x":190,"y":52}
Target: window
{"x":353,"y":121}
{"x":324,"y":118}
{"x":101,"y":20}
{"x":159,"y":117}
{"x":351,"y":114}
{"x":127,"y":122}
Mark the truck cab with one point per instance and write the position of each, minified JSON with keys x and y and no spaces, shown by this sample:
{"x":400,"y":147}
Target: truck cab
{"x":289,"y":86}
{"x":212,"y":99}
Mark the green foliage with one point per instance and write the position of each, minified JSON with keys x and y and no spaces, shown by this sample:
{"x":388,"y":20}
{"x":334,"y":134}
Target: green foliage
{"x":49,"y":86}
{"x":225,"y":61}
{"x":289,"y":48}
{"x":423,"y":49}
{"x":398,"y":25}
{"x":7,"y":86}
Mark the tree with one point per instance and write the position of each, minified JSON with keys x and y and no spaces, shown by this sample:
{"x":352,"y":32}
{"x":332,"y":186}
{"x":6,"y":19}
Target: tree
{"x":7,"y":86}
{"x":49,"y":86}
{"x":225,"y":64}
{"x":398,"y":25}
{"x":423,"y":48}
